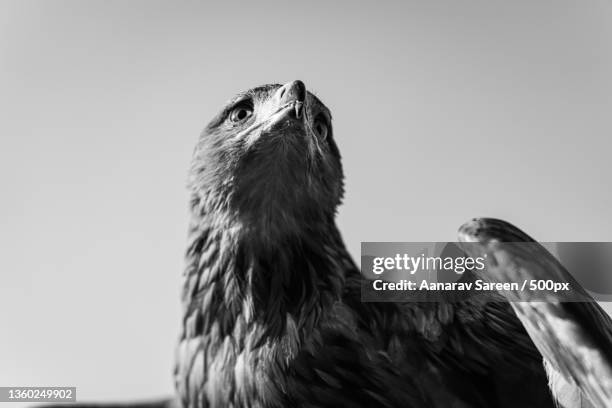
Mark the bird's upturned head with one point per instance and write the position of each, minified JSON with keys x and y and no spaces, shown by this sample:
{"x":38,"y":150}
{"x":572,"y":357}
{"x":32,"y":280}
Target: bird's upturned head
{"x":269,"y":156}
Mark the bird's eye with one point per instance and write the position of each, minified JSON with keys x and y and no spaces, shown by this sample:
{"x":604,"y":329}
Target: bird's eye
{"x":241,"y":113}
{"x":321,"y":128}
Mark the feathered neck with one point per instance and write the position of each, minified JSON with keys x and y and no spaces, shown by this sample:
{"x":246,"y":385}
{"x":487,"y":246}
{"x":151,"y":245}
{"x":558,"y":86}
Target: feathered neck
{"x":241,"y":271}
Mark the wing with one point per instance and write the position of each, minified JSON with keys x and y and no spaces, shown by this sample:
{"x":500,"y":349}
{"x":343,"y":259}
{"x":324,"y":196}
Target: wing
{"x":469,"y":353}
{"x":573,"y":333}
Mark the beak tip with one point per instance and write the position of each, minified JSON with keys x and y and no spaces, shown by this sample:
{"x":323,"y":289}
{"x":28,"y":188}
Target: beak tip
{"x":299,"y":106}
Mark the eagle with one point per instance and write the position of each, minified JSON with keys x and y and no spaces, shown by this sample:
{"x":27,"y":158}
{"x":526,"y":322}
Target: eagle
{"x":271,"y":299}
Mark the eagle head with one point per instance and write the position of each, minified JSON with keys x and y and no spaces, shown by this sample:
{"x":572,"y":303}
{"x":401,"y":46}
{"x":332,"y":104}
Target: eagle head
{"x":269,"y":156}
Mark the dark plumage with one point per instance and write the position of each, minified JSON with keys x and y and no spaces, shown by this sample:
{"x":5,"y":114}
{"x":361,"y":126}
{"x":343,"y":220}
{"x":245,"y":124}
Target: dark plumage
{"x":272,"y":311}
{"x":271,"y":298}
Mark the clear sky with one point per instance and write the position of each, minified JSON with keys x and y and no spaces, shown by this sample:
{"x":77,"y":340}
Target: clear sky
{"x":443,"y":110}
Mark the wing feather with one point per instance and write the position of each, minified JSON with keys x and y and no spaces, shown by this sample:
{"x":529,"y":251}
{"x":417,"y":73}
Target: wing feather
{"x":570,"y":329}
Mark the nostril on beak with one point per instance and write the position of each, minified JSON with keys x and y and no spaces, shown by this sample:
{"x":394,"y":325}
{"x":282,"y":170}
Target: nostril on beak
{"x":293,"y":91}
{"x":299,"y":89}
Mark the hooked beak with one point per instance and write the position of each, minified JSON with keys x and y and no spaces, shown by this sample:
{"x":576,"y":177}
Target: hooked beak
{"x":290,"y":99}
{"x":293,"y":94}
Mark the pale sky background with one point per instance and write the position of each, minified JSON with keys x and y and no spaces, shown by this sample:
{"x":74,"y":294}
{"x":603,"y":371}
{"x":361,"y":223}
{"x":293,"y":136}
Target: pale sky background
{"x":443,"y":110}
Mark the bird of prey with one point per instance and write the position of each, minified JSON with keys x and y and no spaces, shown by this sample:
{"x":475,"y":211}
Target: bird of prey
{"x":271,"y":299}
{"x":272,"y":314}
